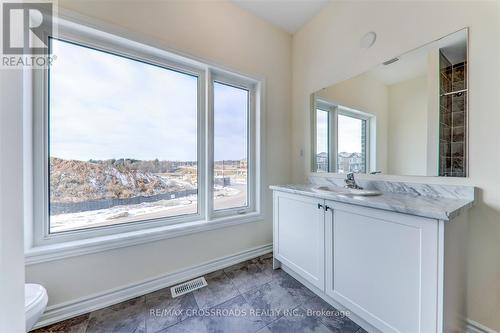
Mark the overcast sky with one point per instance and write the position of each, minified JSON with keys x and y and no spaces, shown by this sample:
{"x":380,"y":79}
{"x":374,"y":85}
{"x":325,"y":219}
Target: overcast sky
{"x":321,"y":131}
{"x":103,"y":106}
{"x":349,"y":140}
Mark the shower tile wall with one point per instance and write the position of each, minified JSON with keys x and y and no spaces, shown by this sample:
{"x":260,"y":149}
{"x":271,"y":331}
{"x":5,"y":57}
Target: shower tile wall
{"x":452,"y":119}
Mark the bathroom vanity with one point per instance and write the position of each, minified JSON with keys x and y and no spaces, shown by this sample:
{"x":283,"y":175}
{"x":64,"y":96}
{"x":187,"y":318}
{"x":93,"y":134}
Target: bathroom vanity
{"x":396,"y":261}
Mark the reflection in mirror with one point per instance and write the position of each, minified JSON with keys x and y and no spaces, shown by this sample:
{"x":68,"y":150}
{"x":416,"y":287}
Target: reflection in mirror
{"x":322,"y":140}
{"x":407,"y":116}
{"x":351,"y":154}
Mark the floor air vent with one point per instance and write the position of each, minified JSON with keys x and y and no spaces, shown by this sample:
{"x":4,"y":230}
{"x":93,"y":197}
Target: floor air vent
{"x":188,"y":286}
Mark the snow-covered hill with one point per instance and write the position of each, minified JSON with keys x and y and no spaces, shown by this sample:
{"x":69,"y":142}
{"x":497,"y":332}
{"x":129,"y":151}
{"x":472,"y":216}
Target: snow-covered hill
{"x":78,"y":181}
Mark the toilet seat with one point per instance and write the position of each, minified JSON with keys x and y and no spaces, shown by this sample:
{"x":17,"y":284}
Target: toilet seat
{"x":35,"y":301}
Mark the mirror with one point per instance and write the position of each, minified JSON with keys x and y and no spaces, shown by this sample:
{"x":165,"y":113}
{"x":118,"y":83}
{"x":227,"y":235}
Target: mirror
{"x":407,"y":116}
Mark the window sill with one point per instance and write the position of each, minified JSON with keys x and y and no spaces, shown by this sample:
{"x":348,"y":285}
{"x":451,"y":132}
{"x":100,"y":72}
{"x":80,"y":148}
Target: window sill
{"x":45,"y":253}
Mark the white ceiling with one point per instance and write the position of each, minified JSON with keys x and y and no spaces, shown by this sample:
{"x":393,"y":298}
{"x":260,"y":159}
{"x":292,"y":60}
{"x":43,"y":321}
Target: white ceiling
{"x":289,"y":15}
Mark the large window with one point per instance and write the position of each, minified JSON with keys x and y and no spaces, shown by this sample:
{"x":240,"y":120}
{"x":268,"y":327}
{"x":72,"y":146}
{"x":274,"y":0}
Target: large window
{"x":342,"y":139}
{"x":132,"y":137}
{"x":122,"y":139}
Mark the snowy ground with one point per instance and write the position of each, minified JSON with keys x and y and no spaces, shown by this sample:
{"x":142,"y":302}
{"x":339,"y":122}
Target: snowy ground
{"x":146,"y":210}
{"x":221,"y":191}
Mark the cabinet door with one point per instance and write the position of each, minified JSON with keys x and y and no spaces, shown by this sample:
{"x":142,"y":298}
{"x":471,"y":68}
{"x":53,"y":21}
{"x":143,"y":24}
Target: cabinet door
{"x":299,"y":235}
{"x":383,"y":266}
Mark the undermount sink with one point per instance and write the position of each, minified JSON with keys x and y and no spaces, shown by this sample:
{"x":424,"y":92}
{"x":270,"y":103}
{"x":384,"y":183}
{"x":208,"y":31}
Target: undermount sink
{"x":345,"y":191}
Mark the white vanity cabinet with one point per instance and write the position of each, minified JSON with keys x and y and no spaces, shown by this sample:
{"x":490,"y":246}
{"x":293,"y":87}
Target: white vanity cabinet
{"x":299,"y":236}
{"x":383,"y":266}
{"x":387,"y":268}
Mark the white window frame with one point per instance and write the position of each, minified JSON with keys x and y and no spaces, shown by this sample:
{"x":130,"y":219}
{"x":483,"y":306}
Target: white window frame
{"x":43,"y":245}
{"x":236,"y":82}
{"x":332,"y":139}
{"x":335,"y":109}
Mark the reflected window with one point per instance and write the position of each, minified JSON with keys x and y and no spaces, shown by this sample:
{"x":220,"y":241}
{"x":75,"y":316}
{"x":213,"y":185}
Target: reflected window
{"x":341,"y":139}
{"x":351,"y":156}
{"x":322,"y":138}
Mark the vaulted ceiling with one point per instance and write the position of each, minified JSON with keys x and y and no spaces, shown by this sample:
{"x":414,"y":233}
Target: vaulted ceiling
{"x":289,"y":15}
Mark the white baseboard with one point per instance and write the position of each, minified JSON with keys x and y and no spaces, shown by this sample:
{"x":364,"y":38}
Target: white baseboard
{"x":66,"y":310}
{"x":472,"y":326}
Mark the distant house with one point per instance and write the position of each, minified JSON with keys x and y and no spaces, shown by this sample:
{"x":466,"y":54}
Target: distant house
{"x":346,"y":162}
{"x":243,"y":163}
{"x":350,"y":162}
{"x":322,"y":162}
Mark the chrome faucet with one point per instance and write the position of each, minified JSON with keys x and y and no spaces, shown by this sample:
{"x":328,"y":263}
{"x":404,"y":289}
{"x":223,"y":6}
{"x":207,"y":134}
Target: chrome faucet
{"x":350,"y":182}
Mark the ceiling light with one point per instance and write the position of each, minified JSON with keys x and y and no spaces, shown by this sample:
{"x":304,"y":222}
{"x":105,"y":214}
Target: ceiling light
{"x":368,"y":40}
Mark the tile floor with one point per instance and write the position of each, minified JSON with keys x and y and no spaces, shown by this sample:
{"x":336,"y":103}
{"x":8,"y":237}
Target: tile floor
{"x":247,"y":297}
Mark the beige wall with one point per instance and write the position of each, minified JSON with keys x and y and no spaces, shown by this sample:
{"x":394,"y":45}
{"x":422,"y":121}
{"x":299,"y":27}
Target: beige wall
{"x":367,"y":94}
{"x":223,"y":34}
{"x":407,"y":135}
{"x":326,"y":51}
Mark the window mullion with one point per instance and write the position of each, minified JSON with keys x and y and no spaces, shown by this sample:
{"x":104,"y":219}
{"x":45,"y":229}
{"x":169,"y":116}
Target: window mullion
{"x":201,"y":133}
{"x":251,"y":150}
{"x":333,"y":138}
{"x":209,"y":145}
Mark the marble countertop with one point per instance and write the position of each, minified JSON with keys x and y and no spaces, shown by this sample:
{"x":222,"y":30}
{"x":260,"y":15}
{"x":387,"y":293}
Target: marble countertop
{"x":440,"y":208}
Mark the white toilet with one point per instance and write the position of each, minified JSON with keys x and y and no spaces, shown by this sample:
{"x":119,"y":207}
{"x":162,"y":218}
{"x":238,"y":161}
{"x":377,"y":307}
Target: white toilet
{"x":35,"y":302}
